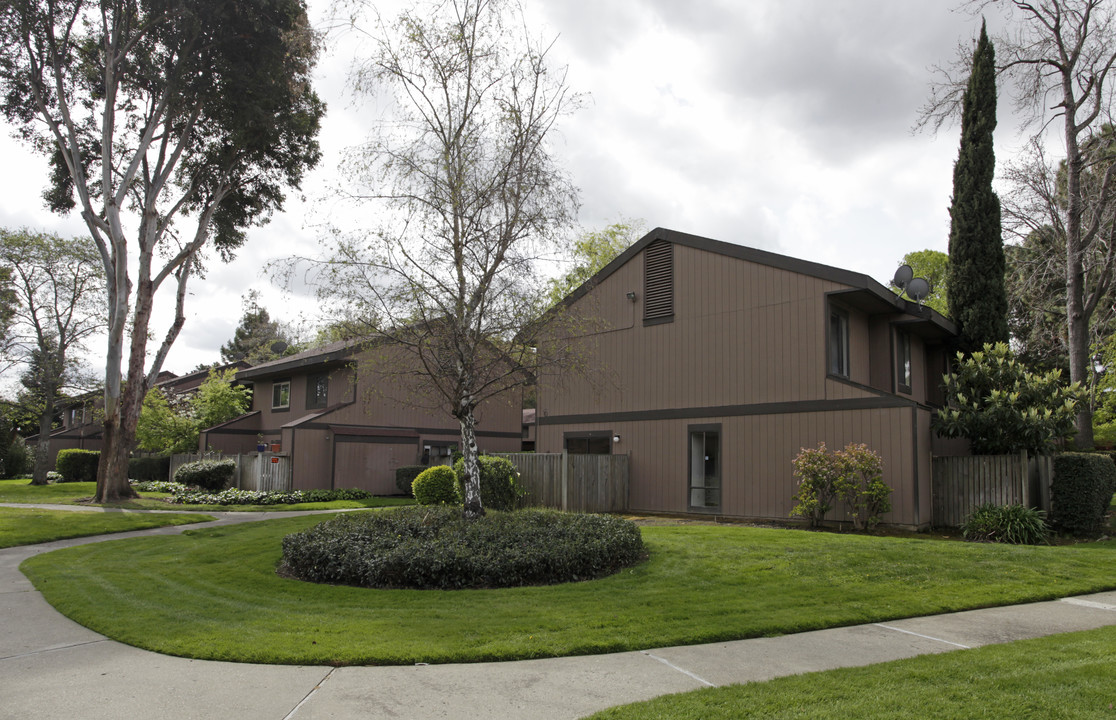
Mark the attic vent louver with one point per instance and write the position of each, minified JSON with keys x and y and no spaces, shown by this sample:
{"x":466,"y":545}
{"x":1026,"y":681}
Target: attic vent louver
{"x":658,"y":282}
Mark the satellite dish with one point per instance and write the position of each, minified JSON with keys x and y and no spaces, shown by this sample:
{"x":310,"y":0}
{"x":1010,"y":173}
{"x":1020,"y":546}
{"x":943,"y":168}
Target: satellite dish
{"x":902,"y":276}
{"x":278,"y":347}
{"x":918,"y":289}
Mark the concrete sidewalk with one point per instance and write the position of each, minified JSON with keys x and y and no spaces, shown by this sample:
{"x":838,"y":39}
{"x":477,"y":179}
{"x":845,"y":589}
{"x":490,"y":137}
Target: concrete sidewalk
{"x":51,"y":667}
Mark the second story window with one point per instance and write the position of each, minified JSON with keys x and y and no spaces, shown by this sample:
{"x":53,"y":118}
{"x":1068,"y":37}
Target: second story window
{"x":317,"y":391}
{"x":903,"y":361}
{"x":281,"y":395}
{"x":838,"y":343}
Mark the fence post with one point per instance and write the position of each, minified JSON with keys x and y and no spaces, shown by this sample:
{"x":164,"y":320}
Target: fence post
{"x":565,"y":480}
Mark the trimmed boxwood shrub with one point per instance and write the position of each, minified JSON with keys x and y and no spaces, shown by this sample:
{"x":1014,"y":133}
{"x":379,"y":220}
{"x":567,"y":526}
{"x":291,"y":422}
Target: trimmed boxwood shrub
{"x":212,"y":475}
{"x":499,"y":482}
{"x":405,"y":475}
{"x":149,"y":468}
{"x":436,"y":548}
{"x":77,"y":465}
{"x":1013,"y":524}
{"x":436,"y":486}
{"x":1081,"y":493}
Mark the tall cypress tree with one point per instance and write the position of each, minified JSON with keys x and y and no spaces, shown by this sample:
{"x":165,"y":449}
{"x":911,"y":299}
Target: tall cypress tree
{"x":977,"y":294}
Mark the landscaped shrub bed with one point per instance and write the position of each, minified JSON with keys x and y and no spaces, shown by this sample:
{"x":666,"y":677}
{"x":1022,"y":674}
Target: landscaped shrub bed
{"x":183,"y":495}
{"x":212,"y":475}
{"x":436,"y":548}
{"x":436,"y":486}
{"x":405,"y":475}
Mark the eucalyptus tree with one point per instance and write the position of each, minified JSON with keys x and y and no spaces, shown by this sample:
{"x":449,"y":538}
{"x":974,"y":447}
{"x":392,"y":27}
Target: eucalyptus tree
{"x":171,"y":126}
{"x":472,"y":195}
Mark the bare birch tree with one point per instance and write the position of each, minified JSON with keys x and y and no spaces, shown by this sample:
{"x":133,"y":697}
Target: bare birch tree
{"x":171,"y":125}
{"x":1058,"y":57}
{"x":466,"y":171}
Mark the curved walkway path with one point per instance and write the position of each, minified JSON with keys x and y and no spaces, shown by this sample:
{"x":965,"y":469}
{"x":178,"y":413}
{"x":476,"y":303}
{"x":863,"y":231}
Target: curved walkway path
{"x":50,"y":667}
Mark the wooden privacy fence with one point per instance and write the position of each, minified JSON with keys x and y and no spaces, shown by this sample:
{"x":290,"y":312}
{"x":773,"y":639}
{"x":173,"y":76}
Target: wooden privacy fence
{"x":574,"y":482}
{"x":959,"y":484}
{"x":269,"y":472}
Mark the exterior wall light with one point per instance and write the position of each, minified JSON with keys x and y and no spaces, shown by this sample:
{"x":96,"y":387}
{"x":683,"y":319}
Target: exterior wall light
{"x":615,"y":438}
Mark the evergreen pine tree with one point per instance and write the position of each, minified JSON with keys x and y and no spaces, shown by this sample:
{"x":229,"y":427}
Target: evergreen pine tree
{"x":977,"y":294}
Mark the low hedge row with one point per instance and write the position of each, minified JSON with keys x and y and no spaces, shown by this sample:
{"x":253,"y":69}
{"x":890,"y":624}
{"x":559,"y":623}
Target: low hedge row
{"x":405,"y":475}
{"x":212,"y":475}
{"x":433,"y":547}
{"x":149,"y":468}
{"x":1081,"y":493}
{"x":232,"y":496}
{"x":77,"y":465}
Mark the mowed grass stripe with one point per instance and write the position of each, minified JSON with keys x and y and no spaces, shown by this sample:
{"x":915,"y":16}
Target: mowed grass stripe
{"x":30,"y":526}
{"x":214,"y":594}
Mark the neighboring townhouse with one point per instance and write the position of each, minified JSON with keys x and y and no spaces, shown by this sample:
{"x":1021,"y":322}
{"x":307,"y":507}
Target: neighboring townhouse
{"x":347,"y":422}
{"x":717,"y":363}
{"x":82,"y":420}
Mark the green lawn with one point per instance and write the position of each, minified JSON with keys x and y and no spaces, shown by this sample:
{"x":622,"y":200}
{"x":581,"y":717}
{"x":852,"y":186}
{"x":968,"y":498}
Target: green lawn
{"x":1063,"y":676}
{"x":19,"y":526}
{"x":21,"y":491}
{"x":214,"y":593}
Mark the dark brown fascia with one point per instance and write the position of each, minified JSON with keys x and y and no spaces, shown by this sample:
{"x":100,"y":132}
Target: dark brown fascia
{"x":302,"y":361}
{"x":857,"y":281}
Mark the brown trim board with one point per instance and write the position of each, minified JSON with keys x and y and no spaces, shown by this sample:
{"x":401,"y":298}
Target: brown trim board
{"x":775,"y":408}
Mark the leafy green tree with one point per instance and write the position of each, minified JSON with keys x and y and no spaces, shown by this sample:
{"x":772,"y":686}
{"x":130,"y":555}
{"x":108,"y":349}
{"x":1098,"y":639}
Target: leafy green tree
{"x":1002,"y":408}
{"x":219,"y":400}
{"x":172,"y":126}
{"x":591,"y":252}
{"x":258,"y":338}
{"x":163,"y":429}
{"x":172,"y":425}
{"x":977,"y":299}
{"x":933,"y":265}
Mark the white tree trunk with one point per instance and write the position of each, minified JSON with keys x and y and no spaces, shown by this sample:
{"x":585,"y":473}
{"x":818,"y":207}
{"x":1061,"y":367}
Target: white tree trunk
{"x":474,"y":508}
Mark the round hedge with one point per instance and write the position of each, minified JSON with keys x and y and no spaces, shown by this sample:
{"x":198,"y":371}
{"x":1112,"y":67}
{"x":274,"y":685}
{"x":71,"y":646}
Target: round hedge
{"x":435,"y":486}
{"x":436,"y":548}
{"x":499,"y":482}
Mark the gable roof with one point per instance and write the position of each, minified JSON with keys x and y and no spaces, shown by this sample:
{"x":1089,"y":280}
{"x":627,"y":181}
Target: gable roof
{"x":329,"y":353}
{"x":864,"y":293}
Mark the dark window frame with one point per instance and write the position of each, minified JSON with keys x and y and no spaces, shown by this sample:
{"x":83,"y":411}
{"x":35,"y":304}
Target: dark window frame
{"x":314,"y":399}
{"x":705,"y":429}
{"x":593,"y":439}
{"x":275,"y":385}
{"x":904,"y":370}
{"x":837,"y":358}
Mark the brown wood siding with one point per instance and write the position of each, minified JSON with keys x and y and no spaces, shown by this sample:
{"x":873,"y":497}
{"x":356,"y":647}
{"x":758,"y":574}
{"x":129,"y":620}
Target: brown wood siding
{"x":757,"y":476}
{"x":742,"y":333}
{"x":371,"y":466}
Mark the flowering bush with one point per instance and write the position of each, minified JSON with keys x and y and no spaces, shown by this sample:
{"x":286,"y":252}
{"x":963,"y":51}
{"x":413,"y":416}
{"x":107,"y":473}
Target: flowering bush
{"x":853,"y":475}
{"x":183,"y":495}
{"x":163,"y":486}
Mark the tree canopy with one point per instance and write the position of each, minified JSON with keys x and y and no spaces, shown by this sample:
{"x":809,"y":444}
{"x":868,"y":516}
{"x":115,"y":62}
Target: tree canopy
{"x":258,"y":338}
{"x":171,"y":126}
{"x":977,"y":301}
{"x":933,"y":265}
{"x":592,"y":250}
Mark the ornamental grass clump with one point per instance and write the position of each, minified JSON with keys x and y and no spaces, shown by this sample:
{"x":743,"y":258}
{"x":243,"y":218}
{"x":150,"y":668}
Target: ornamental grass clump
{"x":436,"y":548}
{"x":1014,"y":524}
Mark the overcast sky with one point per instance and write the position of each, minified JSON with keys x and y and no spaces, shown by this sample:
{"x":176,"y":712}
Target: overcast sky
{"x":782,"y":125}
